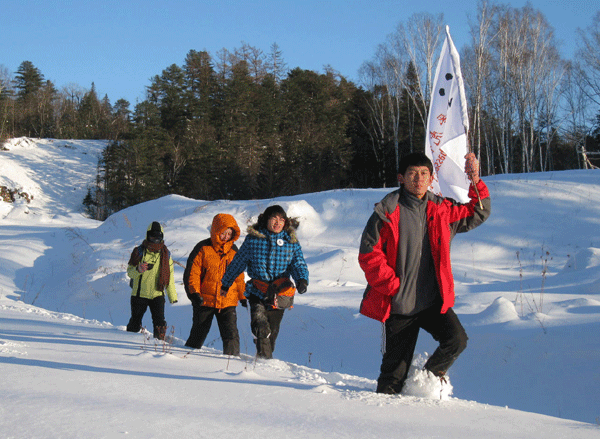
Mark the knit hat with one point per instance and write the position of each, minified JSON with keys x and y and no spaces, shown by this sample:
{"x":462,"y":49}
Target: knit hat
{"x":155,"y":233}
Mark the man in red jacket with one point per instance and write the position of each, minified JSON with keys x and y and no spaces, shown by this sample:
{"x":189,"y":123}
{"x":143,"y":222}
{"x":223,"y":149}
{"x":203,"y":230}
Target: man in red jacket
{"x":405,"y":254}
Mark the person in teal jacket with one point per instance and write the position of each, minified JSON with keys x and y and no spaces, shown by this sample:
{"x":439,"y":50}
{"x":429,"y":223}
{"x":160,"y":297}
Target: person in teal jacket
{"x":270,"y":254}
{"x":150,"y":268}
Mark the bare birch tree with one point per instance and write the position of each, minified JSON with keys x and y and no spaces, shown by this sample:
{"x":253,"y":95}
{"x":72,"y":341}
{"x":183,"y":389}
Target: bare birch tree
{"x":588,"y":56}
{"x":516,"y":84}
{"x":5,"y":102}
{"x":540,"y":72}
{"x":422,"y":39}
{"x":577,"y":113}
{"x":255,"y":59}
{"x":476,"y":71}
{"x":583,"y":89}
{"x":275,"y":63}
{"x":411,"y":48}
{"x":377,"y":114}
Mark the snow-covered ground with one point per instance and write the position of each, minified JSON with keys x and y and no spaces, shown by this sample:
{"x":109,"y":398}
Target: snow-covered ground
{"x":528,"y":294}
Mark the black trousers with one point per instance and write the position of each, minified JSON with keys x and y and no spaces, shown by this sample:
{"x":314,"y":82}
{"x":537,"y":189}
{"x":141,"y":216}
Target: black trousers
{"x":264,"y":322}
{"x":401,"y":333}
{"x":138,"y":309}
{"x":227,"y":321}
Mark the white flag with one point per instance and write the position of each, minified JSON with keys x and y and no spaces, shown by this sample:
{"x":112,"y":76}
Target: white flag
{"x":447,"y":126}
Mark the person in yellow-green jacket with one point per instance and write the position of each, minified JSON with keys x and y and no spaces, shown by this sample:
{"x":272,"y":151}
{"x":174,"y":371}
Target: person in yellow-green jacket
{"x":150,"y":268}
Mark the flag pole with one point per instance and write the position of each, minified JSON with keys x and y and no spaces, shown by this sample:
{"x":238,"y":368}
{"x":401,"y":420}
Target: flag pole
{"x":474,"y":185}
{"x":463,"y":100}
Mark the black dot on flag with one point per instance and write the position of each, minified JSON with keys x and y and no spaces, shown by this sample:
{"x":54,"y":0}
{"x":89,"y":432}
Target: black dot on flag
{"x":449,"y":76}
{"x":442,"y":92}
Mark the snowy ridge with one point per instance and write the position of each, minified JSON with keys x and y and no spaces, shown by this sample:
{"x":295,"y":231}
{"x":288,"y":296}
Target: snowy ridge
{"x":528,"y":294}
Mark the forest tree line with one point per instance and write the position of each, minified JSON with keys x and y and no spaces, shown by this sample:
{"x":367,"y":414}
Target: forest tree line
{"x":242,"y":125}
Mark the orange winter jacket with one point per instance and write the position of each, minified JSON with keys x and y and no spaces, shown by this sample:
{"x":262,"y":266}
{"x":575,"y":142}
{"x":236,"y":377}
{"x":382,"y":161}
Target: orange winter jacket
{"x":207,"y":264}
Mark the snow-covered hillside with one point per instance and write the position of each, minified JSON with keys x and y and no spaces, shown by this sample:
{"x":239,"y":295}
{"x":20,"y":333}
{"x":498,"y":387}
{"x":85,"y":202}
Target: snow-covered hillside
{"x":528,"y":294}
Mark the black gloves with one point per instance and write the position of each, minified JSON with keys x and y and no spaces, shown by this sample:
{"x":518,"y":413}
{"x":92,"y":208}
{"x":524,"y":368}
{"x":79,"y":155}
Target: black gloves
{"x":301,"y":286}
{"x":196,"y":299}
{"x":244,"y":303}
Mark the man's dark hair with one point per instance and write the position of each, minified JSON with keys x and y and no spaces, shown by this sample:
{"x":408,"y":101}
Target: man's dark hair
{"x":269,"y":212}
{"x":414,"y":159}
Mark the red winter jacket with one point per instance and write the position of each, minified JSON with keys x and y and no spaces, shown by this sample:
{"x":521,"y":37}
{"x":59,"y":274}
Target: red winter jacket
{"x":379,"y":246}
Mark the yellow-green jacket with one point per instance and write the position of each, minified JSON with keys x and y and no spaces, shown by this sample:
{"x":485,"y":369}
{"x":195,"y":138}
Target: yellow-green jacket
{"x":144,"y":284}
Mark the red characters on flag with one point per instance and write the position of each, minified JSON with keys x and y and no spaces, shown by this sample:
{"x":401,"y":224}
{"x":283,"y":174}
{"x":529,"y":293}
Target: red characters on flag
{"x":439,"y":161}
{"x":436,"y":137}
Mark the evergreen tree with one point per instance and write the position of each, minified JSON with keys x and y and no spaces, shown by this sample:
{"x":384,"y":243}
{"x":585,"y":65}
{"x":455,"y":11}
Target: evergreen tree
{"x":35,"y":100}
{"x":42,"y":120}
{"x":167,"y":93}
{"x":89,"y":115}
{"x":314,"y":130}
{"x":193,"y":158}
{"x":28,"y":81}
{"x":66,"y":112}
{"x":121,"y":120}
{"x":268,"y":107}
{"x":200,"y":85}
{"x":238,"y":139}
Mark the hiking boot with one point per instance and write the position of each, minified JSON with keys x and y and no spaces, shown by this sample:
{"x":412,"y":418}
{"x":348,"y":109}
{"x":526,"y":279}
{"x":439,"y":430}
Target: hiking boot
{"x":263,"y":349}
{"x":389,"y":389}
{"x":160,"y":332}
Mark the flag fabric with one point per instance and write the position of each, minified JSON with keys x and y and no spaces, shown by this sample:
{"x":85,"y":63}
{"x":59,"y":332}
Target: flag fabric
{"x":447,"y":126}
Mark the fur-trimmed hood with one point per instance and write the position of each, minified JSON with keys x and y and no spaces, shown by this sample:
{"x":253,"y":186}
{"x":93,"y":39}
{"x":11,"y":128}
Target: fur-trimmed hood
{"x":268,"y":256}
{"x":289,"y":229}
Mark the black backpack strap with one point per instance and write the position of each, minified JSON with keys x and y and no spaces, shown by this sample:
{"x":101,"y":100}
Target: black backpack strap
{"x":190,"y":262}
{"x":141,"y":251}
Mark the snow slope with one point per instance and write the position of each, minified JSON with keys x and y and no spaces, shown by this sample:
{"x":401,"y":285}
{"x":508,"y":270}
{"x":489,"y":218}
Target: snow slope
{"x":528,"y":294}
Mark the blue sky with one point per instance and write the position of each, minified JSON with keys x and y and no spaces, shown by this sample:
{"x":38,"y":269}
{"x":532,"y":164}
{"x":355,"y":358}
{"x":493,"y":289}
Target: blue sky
{"x":120,"y":45}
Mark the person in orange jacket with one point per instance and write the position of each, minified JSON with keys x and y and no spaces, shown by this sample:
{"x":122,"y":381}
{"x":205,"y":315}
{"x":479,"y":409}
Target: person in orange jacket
{"x":202,"y":280}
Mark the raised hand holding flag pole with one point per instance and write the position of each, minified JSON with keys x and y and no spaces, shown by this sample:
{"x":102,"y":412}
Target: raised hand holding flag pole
{"x":447,"y":128}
